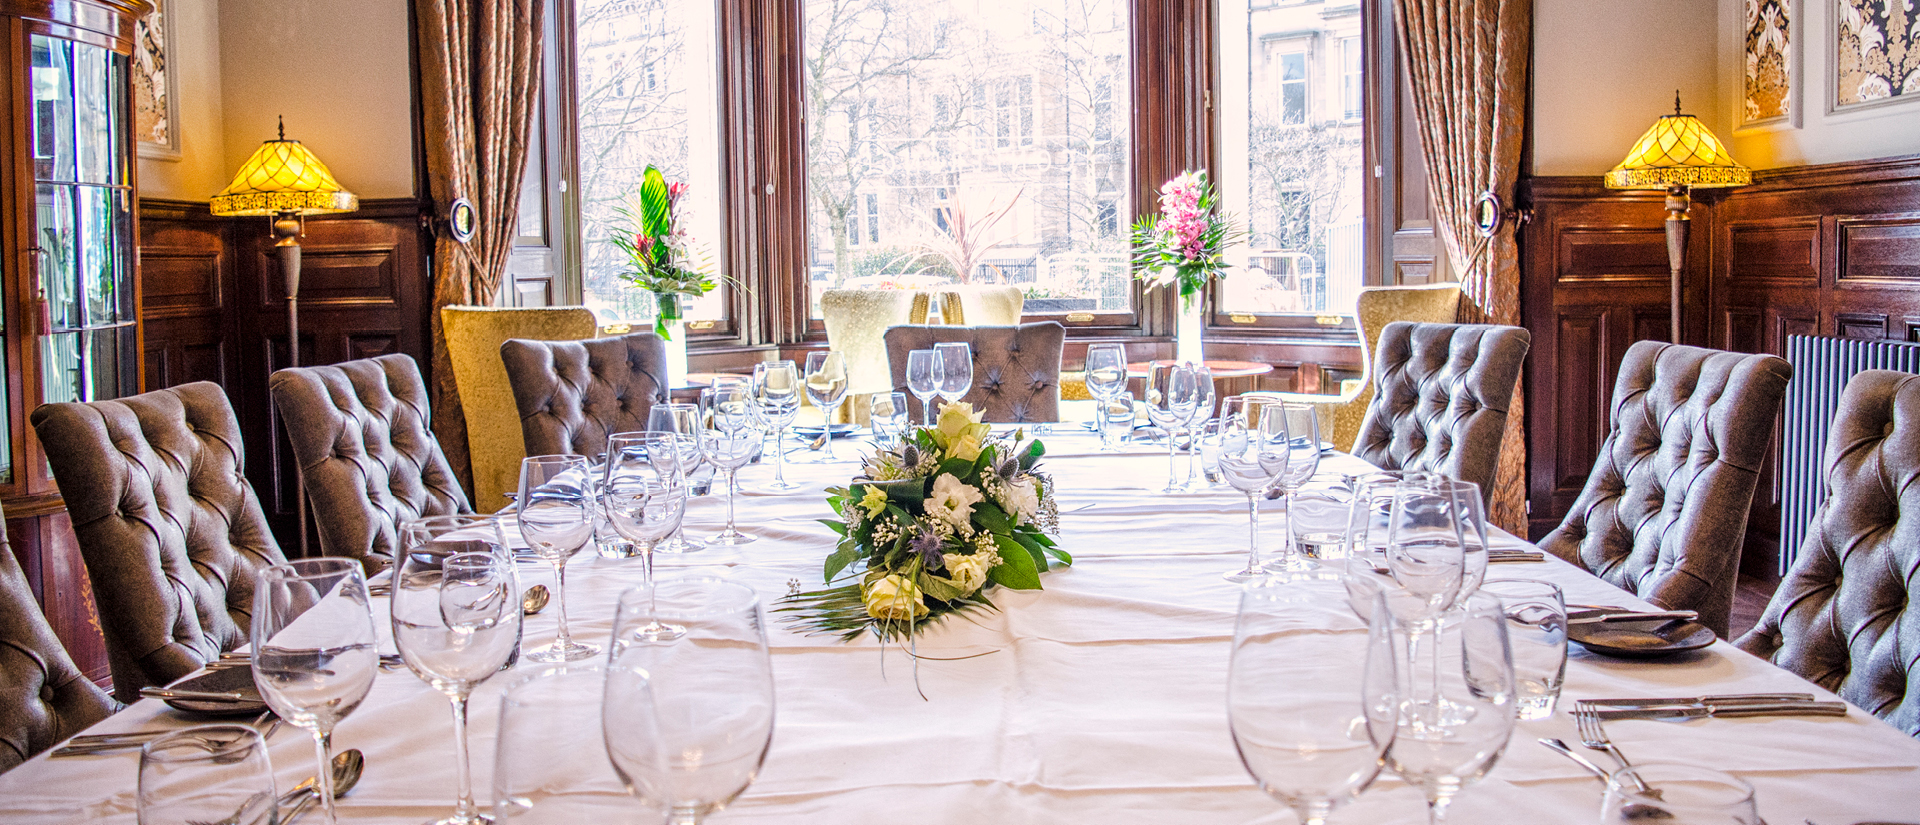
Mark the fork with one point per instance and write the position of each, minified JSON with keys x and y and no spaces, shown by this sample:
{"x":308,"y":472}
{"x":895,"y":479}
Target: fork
{"x":1586,"y":720}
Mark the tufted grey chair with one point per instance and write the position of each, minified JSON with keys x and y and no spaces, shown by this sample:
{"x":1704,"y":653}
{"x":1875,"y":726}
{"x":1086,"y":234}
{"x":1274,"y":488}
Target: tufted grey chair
{"x":1665,"y":509}
{"x":363,"y":444}
{"x":573,"y":394}
{"x":43,"y":697}
{"x":1441,"y":393}
{"x":1016,"y":370}
{"x":170,"y":530}
{"x":1848,"y":617}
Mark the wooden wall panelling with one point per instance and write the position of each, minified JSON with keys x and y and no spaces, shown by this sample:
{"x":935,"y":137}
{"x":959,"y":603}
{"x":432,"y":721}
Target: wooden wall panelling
{"x":188,"y":291}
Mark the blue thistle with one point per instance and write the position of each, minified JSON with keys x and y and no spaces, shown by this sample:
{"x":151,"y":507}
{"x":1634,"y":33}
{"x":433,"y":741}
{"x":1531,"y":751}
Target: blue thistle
{"x":928,"y":545}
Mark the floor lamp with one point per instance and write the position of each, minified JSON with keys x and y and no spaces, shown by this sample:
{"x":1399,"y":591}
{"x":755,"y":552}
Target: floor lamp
{"x":1679,"y":154}
{"x":285,"y":182}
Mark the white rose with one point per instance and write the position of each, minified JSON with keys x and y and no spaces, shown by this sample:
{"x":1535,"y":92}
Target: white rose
{"x":967,"y":572}
{"x":952,"y":501}
{"x":1021,"y":497}
{"x":894,"y":598}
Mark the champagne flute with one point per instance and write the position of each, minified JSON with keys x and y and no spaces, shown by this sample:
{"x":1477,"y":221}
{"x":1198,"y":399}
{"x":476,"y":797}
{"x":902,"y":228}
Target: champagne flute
{"x":207,"y":774}
{"x":550,"y":765}
{"x":923,"y":379}
{"x":456,"y":620}
{"x":1448,"y":741}
{"x":1172,"y":393}
{"x":314,"y":654}
{"x":556,"y":519}
{"x":688,"y":722}
{"x":728,"y":446}
{"x":644,"y":494}
{"x":683,"y":422}
{"x":826,"y":384}
{"x":776,"y":399}
{"x":956,"y":371}
{"x":1251,"y":457}
{"x":1310,"y":691}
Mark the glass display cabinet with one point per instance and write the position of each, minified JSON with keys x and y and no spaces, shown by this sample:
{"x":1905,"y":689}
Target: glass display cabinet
{"x":69,"y":312}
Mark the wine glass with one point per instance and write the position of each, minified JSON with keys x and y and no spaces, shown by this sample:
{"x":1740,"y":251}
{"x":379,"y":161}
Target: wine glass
{"x":1310,"y":691}
{"x":729,"y":446}
{"x":1251,"y":457}
{"x":1302,"y":426}
{"x":887,"y":413}
{"x":1472,"y":517}
{"x":923,"y":379}
{"x":556,"y":519}
{"x":456,"y":620}
{"x":826,"y":387}
{"x":1172,"y":393}
{"x":1457,"y":708}
{"x":644,"y":494}
{"x":314,"y":653}
{"x":688,"y":721}
{"x":1425,"y":552}
{"x":550,"y":765}
{"x":683,"y":422}
{"x":207,"y":774}
{"x":776,"y":400}
{"x":1204,"y":397}
{"x":1106,"y":370}
{"x":1665,"y":791}
{"x":956,"y":370}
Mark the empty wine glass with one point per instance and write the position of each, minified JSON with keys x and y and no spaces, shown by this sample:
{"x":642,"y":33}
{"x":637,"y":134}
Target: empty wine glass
{"x":923,"y":380}
{"x":1172,"y":393}
{"x":456,"y":620}
{"x":1310,"y":691}
{"x":1302,"y":426}
{"x":1204,"y":398}
{"x":644,"y":493}
{"x":887,"y":413}
{"x":688,"y":721}
{"x":956,"y":370}
{"x":314,"y":654}
{"x":728,"y":448}
{"x":776,"y":400}
{"x":1251,"y":457}
{"x":826,"y":384}
{"x":550,"y":762}
{"x":683,"y":422}
{"x":1425,"y":550}
{"x":1457,"y":708}
{"x":1471,"y":515}
{"x":206,"y":774}
{"x":556,"y":519}
{"x":1106,"y":371}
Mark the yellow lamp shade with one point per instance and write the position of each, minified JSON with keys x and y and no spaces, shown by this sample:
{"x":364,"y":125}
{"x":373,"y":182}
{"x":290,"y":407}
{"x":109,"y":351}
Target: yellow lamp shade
{"x":282,"y":176}
{"x":1678,"y":151}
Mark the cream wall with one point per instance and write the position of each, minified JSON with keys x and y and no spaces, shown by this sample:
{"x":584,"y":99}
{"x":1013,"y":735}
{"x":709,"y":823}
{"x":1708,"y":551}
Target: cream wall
{"x":193,"y":50}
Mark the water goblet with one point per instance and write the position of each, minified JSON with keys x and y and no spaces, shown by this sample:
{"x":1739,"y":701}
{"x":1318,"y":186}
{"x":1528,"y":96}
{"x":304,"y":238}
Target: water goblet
{"x":1669,"y":792}
{"x":550,"y":765}
{"x":888,"y":415}
{"x":314,"y":654}
{"x":776,"y":400}
{"x":1251,"y":457}
{"x":1457,"y":708}
{"x":956,"y":370}
{"x":1106,"y":376}
{"x":826,"y":383}
{"x":689,"y":717}
{"x":1537,"y":629}
{"x":683,"y":422}
{"x":1172,"y":393}
{"x":556,"y":519}
{"x":644,"y":494}
{"x":1474,"y":539}
{"x":923,"y":379}
{"x":207,"y":774}
{"x":729,"y":450}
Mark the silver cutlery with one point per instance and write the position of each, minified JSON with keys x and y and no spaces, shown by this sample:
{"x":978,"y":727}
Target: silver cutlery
{"x":347,"y":768}
{"x":1514,"y":557}
{"x":196,"y":695}
{"x":1587,"y":721}
{"x":92,"y":743}
{"x":1702,"y":711}
{"x":1722,"y":699}
{"x":1648,"y":616}
{"x":1563,"y":749}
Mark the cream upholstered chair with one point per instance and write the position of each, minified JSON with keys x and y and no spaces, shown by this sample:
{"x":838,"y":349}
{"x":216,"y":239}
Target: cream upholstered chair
{"x":1340,"y":415}
{"x":857,"y":322}
{"x":981,"y":306}
{"x":474,"y":336}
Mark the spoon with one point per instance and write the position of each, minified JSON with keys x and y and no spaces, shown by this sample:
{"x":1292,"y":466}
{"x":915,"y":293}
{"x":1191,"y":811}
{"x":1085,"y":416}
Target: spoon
{"x":535,"y":599}
{"x":1561,"y":748}
{"x":347,"y":767}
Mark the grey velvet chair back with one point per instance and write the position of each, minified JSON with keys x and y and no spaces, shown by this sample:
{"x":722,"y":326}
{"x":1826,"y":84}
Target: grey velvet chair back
{"x":1016,"y":369}
{"x":43,"y":697}
{"x":1664,"y":511}
{"x":1440,"y":400}
{"x":1848,"y":615}
{"x":573,"y":394}
{"x":171,"y":532}
{"x":362,"y":440}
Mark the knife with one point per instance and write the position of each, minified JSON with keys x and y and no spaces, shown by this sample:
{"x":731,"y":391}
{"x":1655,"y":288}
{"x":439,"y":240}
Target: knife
{"x":1724,"y":699}
{"x":1649,"y":616}
{"x":195,"y":695}
{"x":1710,"y":710}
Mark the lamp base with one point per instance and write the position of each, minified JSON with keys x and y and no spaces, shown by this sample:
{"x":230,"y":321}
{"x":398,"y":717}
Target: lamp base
{"x":1677,"y":226}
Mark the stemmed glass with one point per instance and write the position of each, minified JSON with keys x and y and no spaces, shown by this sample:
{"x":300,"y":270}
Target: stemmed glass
{"x":644,"y":494}
{"x":556,"y":519}
{"x":314,"y":654}
{"x":1302,"y":425}
{"x":776,"y":400}
{"x":688,"y":721}
{"x":1106,"y":368}
{"x":1172,"y":393}
{"x":923,"y":379}
{"x":550,"y":763}
{"x":207,"y":774}
{"x":1472,"y":517}
{"x":1311,"y":691}
{"x":1425,"y":549}
{"x":456,"y":620}
{"x":728,"y":442}
{"x":683,"y":422}
{"x":956,"y":371}
{"x":1451,"y":739}
{"x":826,"y":387}
{"x":1251,"y":457}
{"x":1204,"y":397}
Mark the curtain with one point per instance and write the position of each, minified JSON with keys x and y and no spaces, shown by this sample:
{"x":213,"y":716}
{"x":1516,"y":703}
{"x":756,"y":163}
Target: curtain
{"x":479,"y":95}
{"x":1467,"y":62}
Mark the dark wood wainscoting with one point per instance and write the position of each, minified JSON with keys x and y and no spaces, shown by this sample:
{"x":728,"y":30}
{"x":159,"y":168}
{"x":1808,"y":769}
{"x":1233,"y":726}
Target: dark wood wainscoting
{"x":1827,"y":250}
{"x":216,"y":311}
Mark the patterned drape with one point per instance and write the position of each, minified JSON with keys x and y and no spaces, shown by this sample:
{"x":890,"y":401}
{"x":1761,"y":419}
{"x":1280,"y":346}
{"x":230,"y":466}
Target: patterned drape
{"x":1467,"y":60}
{"x":479,"y":94}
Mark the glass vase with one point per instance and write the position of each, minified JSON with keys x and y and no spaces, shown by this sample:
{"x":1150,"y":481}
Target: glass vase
{"x":1192,"y":322}
{"x":672,"y":322}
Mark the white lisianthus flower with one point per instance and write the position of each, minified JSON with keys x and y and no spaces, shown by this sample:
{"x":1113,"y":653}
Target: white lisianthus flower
{"x":1020,"y":497}
{"x":894,"y":598}
{"x":967,"y":572}
{"x":952,"y":502}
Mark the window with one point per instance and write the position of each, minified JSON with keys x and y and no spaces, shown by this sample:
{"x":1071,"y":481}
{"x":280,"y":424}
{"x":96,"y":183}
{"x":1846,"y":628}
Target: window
{"x":1353,"y":77}
{"x":1288,"y":84}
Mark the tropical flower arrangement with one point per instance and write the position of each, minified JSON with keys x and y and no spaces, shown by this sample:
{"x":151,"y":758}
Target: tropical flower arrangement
{"x":660,"y":255}
{"x":1186,"y":243}
{"x":930,"y":526}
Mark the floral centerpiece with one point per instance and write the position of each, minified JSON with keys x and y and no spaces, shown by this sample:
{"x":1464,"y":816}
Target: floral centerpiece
{"x":930,"y":526}
{"x":660,"y":256}
{"x":1185,"y":247}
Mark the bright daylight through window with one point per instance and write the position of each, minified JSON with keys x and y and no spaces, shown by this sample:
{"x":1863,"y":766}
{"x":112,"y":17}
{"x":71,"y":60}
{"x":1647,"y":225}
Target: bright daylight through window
{"x":970,"y":141}
{"x":1291,"y":153}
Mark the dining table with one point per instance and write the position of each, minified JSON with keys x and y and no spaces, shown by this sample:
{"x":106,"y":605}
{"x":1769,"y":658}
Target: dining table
{"x":1098,"y":699}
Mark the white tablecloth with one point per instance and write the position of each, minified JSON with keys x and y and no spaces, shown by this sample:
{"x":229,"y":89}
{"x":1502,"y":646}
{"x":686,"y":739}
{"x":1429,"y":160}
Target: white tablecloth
{"x":1100,"y":699}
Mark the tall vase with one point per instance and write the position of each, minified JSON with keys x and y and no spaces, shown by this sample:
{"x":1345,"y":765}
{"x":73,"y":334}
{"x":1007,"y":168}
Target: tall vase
{"x":1192,"y":321}
{"x":672,"y":325}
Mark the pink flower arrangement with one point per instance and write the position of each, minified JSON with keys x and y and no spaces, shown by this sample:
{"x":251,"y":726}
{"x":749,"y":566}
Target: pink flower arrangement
{"x":1186,"y":242}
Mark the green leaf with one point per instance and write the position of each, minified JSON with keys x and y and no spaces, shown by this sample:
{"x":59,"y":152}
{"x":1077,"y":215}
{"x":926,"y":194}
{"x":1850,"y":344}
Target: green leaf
{"x":835,"y":525}
{"x":990,"y":516}
{"x":939,"y":588}
{"x":843,"y":554}
{"x":1062,"y":555}
{"x":1033,"y":549}
{"x":906,"y":492}
{"x":958,"y":468}
{"x":1016,"y":570}
{"x":656,"y":219}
